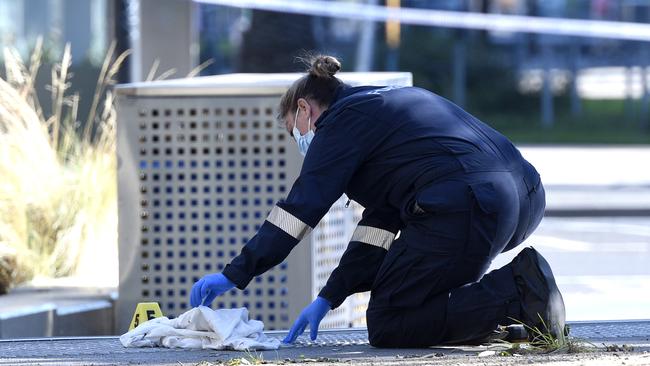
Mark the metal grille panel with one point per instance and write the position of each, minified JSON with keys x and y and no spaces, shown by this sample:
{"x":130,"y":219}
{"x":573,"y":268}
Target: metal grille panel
{"x":329,"y":241}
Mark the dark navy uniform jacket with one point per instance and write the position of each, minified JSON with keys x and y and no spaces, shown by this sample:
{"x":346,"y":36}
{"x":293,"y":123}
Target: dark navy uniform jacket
{"x":379,"y":145}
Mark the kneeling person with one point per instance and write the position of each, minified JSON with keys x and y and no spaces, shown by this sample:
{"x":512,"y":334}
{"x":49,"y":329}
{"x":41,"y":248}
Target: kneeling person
{"x":458,"y":192}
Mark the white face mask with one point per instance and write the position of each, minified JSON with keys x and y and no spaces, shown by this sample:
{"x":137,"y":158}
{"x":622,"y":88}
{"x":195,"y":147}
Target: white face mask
{"x":302,"y":140}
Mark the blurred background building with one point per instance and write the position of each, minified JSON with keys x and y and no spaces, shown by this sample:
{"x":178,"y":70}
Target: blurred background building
{"x":536,"y":88}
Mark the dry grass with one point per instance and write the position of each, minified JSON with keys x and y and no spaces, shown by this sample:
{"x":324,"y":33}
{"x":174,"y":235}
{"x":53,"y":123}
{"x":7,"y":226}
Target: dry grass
{"x":7,"y":268}
{"x":541,"y":341}
{"x":58,"y":178}
{"x":249,"y":358}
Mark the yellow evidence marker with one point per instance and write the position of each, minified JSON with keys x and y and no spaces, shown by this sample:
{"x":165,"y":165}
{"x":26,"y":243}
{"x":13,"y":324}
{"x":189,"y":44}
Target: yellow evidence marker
{"x":145,"y":311}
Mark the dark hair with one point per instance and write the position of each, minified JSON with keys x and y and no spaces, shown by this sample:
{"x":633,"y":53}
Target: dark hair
{"x":318,"y":85}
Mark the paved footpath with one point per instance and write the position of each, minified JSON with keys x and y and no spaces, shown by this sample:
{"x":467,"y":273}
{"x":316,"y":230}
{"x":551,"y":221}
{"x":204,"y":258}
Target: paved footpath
{"x":593,"y":180}
{"x":336,"y":347}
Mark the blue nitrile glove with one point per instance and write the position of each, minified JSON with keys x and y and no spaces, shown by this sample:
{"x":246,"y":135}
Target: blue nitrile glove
{"x":207,"y":288}
{"x":312,"y":315}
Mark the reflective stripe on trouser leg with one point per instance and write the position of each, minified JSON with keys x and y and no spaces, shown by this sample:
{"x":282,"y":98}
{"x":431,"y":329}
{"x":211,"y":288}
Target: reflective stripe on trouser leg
{"x":373,"y":236}
{"x":288,"y":223}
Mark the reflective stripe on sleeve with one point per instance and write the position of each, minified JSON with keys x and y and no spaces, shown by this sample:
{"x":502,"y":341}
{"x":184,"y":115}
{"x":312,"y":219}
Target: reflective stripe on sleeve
{"x":288,"y":223}
{"x":373,"y":236}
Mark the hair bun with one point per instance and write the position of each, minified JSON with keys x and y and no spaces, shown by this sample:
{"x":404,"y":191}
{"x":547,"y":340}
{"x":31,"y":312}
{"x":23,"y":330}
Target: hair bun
{"x":324,"y":66}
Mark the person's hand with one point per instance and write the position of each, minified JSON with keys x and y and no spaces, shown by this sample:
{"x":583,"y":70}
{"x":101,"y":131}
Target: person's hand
{"x":207,"y":288}
{"x":312,"y":315}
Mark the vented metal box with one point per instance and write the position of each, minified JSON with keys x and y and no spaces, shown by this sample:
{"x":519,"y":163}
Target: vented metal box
{"x":201,"y":162}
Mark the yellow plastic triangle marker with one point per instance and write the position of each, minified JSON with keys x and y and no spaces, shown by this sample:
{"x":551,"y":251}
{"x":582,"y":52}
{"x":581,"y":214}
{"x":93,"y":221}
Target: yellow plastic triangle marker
{"x":145,"y":311}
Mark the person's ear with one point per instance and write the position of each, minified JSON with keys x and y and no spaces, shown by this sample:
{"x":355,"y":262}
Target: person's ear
{"x":304,"y":106}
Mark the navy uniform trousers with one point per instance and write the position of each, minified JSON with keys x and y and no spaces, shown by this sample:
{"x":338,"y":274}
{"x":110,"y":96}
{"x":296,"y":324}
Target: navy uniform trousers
{"x":431,"y":287}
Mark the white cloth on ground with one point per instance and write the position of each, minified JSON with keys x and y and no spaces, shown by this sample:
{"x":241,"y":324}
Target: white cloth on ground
{"x":204,"y":328}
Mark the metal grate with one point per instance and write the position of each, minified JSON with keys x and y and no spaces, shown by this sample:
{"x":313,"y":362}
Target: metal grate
{"x":329,"y":241}
{"x":198,"y":174}
{"x":207,"y":179}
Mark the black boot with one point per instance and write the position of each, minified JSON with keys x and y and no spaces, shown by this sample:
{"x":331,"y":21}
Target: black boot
{"x":542,"y":307}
